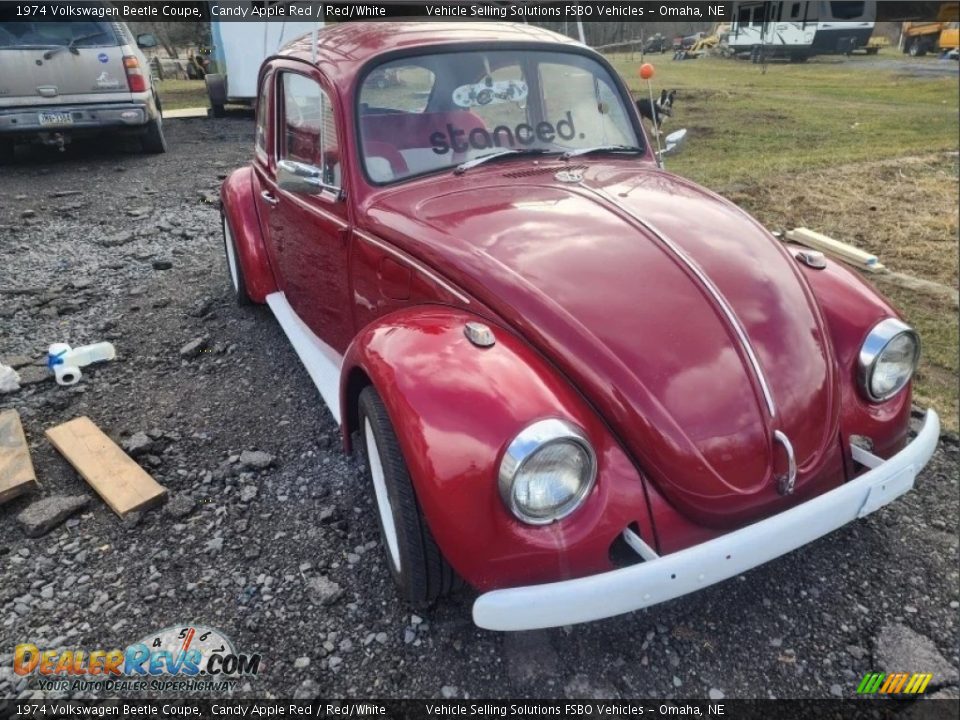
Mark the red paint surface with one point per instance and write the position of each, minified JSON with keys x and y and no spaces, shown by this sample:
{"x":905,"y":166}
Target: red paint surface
{"x":597,"y":322}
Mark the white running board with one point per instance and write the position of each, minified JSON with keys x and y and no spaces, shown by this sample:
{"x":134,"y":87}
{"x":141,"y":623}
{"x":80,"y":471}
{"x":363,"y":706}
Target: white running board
{"x":321,"y":361}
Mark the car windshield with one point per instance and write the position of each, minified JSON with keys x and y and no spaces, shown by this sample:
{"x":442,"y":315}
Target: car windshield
{"x":14,"y":35}
{"x":431,"y":112}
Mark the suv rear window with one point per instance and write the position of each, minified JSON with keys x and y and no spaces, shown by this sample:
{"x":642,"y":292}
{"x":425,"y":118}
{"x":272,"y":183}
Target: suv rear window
{"x":55,"y":34}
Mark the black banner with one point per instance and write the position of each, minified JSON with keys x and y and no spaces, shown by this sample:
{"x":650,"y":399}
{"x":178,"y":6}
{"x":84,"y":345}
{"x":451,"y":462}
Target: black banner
{"x":356,"y":10}
{"x":270,"y":10}
{"x":922,"y":709}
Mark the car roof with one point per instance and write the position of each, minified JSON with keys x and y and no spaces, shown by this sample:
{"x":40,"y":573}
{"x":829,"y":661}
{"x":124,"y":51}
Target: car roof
{"x":344,"y":47}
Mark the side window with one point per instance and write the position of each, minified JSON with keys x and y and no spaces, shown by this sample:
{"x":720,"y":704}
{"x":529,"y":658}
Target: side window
{"x":309,"y":131}
{"x":263,"y":116}
{"x":396,"y":88}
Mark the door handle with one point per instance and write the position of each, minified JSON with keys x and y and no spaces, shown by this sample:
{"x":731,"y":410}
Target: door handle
{"x":268,"y":198}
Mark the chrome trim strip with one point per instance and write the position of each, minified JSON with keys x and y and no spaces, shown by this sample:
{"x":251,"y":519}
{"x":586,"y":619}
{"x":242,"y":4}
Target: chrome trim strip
{"x":713,"y":290}
{"x":416,"y":265}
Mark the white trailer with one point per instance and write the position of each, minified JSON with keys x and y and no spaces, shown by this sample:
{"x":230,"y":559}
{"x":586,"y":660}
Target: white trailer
{"x":239,"y":48}
{"x":799,"y":30}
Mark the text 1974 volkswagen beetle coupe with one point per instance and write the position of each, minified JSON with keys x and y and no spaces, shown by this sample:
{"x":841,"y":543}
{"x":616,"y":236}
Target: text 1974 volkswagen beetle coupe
{"x":582,"y":384}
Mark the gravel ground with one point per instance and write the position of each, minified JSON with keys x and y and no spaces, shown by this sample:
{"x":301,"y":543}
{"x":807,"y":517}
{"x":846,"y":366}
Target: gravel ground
{"x":285,"y":559}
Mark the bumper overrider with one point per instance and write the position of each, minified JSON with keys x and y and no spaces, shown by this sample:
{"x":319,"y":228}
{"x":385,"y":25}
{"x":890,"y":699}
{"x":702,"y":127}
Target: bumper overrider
{"x":664,"y":578}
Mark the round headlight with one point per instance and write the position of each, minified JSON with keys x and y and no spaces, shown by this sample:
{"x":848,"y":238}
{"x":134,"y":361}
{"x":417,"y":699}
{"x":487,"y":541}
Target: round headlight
{"x":888,"y":359}
{"x":547,"y":471}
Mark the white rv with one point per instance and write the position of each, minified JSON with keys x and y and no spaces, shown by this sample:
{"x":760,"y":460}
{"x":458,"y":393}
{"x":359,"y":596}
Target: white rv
{"x":799,"y":30}
{"x":239,"y":48}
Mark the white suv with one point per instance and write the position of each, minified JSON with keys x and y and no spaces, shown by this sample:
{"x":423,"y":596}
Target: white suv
{"x":61,"y":80}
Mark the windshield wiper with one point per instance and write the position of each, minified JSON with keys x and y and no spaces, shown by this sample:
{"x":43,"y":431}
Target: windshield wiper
{"x":505,"y":152}
{"x":72,"y":45}
{"x":601,"y":148}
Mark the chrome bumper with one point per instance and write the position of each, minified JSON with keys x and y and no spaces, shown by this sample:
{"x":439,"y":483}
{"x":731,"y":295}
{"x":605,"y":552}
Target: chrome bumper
{"x":670,"y":576}
{"x":85,"y":117}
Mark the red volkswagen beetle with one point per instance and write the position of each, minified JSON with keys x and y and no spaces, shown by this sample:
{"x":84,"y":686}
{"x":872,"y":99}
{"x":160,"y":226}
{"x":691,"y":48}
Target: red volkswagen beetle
{"x":581,"y":384}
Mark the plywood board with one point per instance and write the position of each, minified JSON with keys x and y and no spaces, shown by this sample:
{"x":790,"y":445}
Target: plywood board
{"x":848,"y":253}
{"x":16,"y":468}
{"x":122,"y":484}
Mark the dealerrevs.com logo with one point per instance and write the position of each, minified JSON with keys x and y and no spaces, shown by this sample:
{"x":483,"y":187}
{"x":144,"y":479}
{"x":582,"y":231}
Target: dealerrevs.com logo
{"x":176,"y":659}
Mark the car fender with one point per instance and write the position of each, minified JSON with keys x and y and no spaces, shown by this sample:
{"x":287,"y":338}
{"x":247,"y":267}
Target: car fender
{"x":455,"y":407}
{"x":238,"y":199}
{"x":851,"y":307}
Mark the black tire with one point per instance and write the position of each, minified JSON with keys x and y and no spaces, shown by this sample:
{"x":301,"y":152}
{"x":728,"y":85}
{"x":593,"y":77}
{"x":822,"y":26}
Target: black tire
{"x":6,"y":152}
{"x":234,"y":269}
{"x":218,"y":111}
{"x":917,"y":48}
{"x":153,"y":140}
{"x":424,"y":575}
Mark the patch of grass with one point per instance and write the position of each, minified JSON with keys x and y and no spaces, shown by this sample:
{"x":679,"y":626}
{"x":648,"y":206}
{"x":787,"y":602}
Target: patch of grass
{"x":177,"y":94}
{"x":863,"y":155}
{"x":746,"y":126}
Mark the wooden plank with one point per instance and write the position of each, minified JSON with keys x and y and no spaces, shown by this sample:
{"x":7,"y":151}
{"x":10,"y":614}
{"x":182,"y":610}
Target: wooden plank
{"x":122,"y":484}
{"x":16,"y":468}
{"x":840,"y":250}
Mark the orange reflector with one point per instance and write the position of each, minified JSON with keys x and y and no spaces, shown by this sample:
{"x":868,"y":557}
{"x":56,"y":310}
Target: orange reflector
{"x":129,"y":61}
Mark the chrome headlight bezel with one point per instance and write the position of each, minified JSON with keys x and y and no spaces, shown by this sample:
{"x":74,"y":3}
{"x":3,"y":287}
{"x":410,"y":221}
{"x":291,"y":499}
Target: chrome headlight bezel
{"x":876,"y":342}
{"x":530,"y":441}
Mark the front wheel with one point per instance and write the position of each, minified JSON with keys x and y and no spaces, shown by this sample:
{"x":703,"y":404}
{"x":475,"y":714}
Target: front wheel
{"x":418,"y":567}
{"x":233,"y":266}
{"x":153,"y":140}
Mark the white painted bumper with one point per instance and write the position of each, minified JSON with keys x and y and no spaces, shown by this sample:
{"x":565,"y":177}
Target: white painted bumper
{"x":670,"y":576}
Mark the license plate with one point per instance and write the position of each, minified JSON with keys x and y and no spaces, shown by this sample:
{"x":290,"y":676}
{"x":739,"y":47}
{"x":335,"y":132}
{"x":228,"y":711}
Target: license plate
{"x":55,"y":118}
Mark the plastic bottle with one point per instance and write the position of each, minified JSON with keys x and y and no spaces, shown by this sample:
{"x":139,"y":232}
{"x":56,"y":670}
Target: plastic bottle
{"x":66,"y":361}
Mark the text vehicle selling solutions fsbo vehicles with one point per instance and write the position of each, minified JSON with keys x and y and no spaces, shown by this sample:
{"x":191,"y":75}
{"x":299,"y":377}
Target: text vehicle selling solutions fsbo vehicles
{"x":581,"y":384}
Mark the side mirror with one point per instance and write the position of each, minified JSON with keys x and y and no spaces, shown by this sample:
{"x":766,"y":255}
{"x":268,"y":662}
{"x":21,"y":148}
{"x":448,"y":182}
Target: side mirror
{"x":298,"y":177}
{"x":674,"y":141}
{"x":146,"y":40}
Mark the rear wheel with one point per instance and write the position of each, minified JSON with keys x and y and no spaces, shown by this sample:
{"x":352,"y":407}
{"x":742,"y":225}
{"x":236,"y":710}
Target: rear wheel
{"x":234,"y":268}
{"x":917,"y":48}
{"x":6,"y":152}
{"x":153,"y":140}
{"x":418,"y":567}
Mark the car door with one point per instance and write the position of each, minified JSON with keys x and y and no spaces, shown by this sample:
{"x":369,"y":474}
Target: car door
{"x":309,"y":228}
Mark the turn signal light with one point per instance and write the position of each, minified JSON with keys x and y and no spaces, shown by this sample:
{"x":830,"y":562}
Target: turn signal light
{"x":135,"y":78}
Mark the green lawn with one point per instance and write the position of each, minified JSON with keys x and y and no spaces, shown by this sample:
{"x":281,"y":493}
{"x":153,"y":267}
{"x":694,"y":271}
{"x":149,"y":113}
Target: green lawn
{"x":746,"y":126}
{"x":848,"y":148}
{"x":177,"y":94}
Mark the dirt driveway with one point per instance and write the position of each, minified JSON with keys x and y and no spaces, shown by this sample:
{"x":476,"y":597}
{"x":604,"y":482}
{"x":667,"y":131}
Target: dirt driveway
{"x":282,"y":554}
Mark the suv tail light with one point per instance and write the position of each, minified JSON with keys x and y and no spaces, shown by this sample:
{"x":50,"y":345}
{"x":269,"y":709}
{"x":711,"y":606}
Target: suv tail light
{"x":135,"y":77}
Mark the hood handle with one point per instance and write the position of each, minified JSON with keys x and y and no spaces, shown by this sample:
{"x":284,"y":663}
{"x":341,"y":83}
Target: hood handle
{"x":786,"y":483}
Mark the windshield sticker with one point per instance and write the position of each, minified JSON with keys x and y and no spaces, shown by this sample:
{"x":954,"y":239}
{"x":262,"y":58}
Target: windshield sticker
{"x":488,"y":92}
{"x":460,"y":140}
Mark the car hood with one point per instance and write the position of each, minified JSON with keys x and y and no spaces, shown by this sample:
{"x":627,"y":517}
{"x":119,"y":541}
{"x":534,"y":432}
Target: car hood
{"x":689,"y":328}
